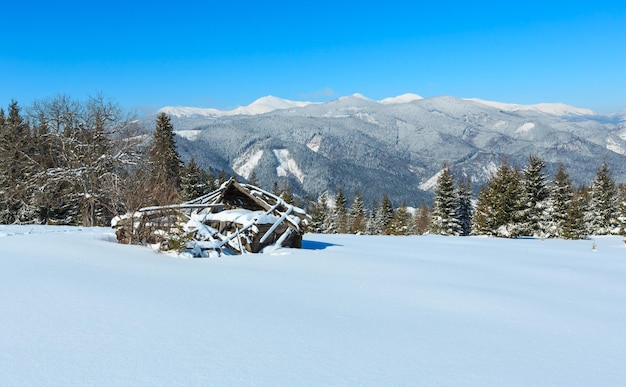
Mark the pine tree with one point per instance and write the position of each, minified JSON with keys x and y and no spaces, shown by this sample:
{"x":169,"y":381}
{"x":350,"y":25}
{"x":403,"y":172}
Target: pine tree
{"x":466,"y":208}
{"x":533,"y":200}
{"x":498,"y":205}
{"x":400,"y":223}
{"x":319,"y":213}
{"x":601,"y":216}
{"x":16,"y":167}
{"x":559,"y":203}
{"x":421,"y":220}
{"x":340,"y":214}
{"x":574,"y":225}
{"x":445,"y":214}
{"x":374,"y":225}
{"x":193,"y":181}
{"x":164,"y":159}
{"x":622,"y":209}
{"x":357,"y":214}
{"x":286,"y":193}
{"x":385,"y":213}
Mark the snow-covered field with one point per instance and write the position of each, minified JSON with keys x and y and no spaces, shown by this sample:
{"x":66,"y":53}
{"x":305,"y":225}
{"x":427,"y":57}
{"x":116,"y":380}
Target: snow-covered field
{"x":78,"y":309}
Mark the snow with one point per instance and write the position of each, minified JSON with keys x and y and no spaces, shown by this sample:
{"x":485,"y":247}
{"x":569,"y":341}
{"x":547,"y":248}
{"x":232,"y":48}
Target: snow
{"x":527,"y":126}
{"x":614,"y":146}
{"x":288,"y":165}
{"x":190,"y":135}
{"x":557,"y":109}
{"x":260,"y":106}
{"x":245,"y":164}
{"x":404,"y":98}
{"x":241,"y":216}
{"x":431,"y":182}
{"x":315,"y":143}
{"x":80,"y":309}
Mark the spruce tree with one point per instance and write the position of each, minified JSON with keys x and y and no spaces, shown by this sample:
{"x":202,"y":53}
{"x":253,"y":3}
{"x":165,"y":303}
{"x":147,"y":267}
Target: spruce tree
{"x":16,"y":167}
{"x":466,"y":208}
{"x":319,"y":213}
{"x":498,"y":205}
{"x":601,"y":215}
{"x":559,"y":203}
{"x":340,"y":214}
{"x":164,"y":159}
{"x":357,"y":214}
{"x":533,"y":199}
{"x":374,"y":225}
{"x":401,"y":222}
{"x":385,"y":213}
{"x":421,"y":220}
{"x":445,"y":214}
{"x":574,"y":225}
{"x":193,"y":181}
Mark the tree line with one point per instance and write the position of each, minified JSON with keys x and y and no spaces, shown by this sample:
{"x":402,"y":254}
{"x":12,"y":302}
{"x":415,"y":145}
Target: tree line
{"x":513,"y":203}
{"x":65,"y":161}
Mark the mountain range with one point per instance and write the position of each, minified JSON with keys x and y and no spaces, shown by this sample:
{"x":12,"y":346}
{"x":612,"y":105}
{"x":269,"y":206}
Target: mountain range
{"x":396,"y":145}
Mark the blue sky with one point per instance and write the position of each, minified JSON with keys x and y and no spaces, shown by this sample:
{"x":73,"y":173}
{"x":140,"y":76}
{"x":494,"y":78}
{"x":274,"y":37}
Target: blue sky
{"x":226,"y":54}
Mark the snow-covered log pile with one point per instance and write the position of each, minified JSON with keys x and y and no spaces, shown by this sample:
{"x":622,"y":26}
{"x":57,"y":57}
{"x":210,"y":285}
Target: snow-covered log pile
{"x":235,"y":218}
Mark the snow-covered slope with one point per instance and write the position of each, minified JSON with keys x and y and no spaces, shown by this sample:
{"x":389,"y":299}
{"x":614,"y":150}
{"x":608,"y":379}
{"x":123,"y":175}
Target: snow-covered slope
{"x":557,"y":109}
{"x":404,"y":98}
{"x":260,"y":106}
{"x":79,"y":309}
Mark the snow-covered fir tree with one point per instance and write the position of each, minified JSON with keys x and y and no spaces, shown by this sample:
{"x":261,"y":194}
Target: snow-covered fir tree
{"x":319,"y":212}
{"x":532,"y":216}
{"x":356,"y":215}
{"x":194,"y":181}
{"x":601,"y":216}
{"x":400,"y":224}
{"x":559,"y":203}
{"x":385,"y":213}
{"x":498,"y":204}
{"x":421,"y":220}
{"x":466,"y":205}
{"x":445,"y":214}
{"x":374,"y":225}
{"x":574,"y":226}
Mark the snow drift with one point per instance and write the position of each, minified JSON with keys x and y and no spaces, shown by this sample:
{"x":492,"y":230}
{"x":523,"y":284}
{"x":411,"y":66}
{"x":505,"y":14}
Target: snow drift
{"x":79,"y":309}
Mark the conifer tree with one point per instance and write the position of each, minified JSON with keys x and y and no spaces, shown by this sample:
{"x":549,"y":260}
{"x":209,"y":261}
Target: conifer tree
{"x":445,"y":214}
{"x":165,"y":161}
{"x":497,"y":209}
{"x":357,"y":214}
{"x":466,"y":208}
{"x":533,"y":199}
{"x":400,"y":224}
{"x":340,"y":214}
{"x":601,"y":215}
{"x":286,"y":193}
{"x":385,"y":213}
{"x":253,"y":179}
{"x":560,"y":201}
{"x":421,"y":220}
{"x":374,"y":226}
{"x":193,"y":181}
{"x":16,"y":166}
{"x":574,"y":225}
{"x":319,"y":213}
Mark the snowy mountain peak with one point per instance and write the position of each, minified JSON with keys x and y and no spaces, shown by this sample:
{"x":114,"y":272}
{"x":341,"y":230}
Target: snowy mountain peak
{"x":556,"y":109}
{"x":404,"y":98}
{"x":260,"y":106}
{"x":355,"y":96}
{"x":268,"y":104}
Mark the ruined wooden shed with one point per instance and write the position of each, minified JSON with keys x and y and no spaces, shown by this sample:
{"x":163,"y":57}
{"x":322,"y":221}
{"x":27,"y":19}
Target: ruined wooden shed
{"x":237,"y":217}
